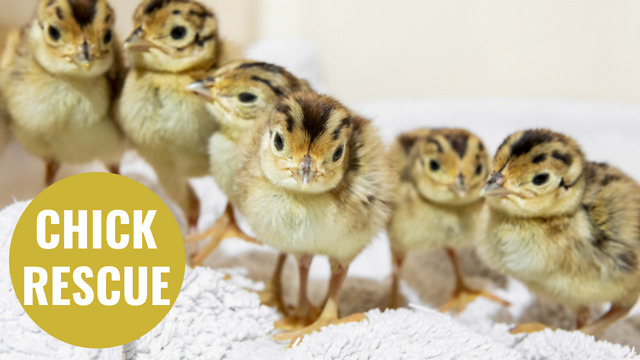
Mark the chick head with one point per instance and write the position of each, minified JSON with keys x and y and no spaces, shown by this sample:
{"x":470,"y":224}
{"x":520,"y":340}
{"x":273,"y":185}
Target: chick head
{"x":447,"y":166}
{"x":305,"y":147}
{"x":74,"y":37}
{"x":537,"y":173}
{"x":173,"y":36}
{"x":238,"y":93}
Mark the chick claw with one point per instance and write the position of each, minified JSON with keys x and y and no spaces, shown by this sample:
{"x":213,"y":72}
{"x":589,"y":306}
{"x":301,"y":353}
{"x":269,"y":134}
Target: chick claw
{"x":295,"y":336}
{"x":462,"y":298}
{"x":223,"y":228}
{"x":272,"y":297}
{"x":297,"y":321}
{"x":528,"y":328}
{"x":218,"y":227}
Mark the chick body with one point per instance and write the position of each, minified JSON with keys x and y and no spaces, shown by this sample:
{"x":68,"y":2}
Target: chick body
{"x":237,"y":95}
{"x":339,"y":221}
{"x":169,"y":127}
{"x":175,"y":43}
{"x":438,"y":203}
{"x":315,"y":179}
{"x":442,"y":207}
{"x":566,"y":227}
{"x":437,"y":226}
{"x":266,"y":85}
{"x":60,"y":111}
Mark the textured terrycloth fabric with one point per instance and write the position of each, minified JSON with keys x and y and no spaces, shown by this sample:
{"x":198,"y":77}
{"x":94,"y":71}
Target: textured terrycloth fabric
{"x":20,"y":337}
{"x":216,"y":318}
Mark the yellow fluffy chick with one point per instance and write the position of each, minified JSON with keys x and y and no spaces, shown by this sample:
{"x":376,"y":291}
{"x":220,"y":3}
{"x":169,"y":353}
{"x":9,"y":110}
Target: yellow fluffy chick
{"x":438,"y":203}
{"x":566,"y":227}
{"x":173,"y":44}
{"x":59,"y":76}
{"x":236,"y":96}
{"x":314,"y":179}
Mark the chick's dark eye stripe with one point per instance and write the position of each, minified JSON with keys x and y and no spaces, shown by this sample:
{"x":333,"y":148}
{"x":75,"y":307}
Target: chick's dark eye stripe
{"x":198,"y":41}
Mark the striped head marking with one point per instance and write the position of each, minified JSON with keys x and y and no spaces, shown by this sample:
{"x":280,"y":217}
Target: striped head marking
{"x":77,"y":36}
{"x":306,"y":142}
{"x":447,"y":166}
{"x":174,"y":35}
{"x":244,"y":90}
{"x":535,"y":170}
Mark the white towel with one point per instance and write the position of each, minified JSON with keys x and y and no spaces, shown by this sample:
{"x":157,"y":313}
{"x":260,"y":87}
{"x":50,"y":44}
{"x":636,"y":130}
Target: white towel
{"x":215,"y":318}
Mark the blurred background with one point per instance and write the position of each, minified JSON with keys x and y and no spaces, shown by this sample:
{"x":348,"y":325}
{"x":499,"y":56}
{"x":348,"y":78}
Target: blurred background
{"x":493,"y":66}
{"x":581,"y":49}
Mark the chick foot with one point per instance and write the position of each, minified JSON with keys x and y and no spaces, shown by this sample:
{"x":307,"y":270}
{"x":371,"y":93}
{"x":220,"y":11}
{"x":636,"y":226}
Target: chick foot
{"x":272,"y":298}
{"x":296,"y":335}
{"x":224,"y":228}
{"x":461,"y":298}
{"x":528,"y":328}
{"x":272,"y":294}
{"x":615,"y":313}
{"x":463,"y":295}
{"x":297,"y":321}
{"x":329,"y":314}
{"x":305,"y":313}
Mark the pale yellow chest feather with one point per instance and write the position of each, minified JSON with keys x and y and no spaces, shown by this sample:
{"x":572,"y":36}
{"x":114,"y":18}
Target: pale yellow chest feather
{"x":164,"y":121}
{"x":419,"y":224}
{"x":60,"y":117}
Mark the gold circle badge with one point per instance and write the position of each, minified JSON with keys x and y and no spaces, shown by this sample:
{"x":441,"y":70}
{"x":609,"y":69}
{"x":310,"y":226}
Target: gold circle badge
{"x":97,"y":260}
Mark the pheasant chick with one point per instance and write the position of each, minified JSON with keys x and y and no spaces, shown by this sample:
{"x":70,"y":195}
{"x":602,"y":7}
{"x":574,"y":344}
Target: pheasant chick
{"x":438,"y":203}
{"x":314,"y":179}
{"x":58,"y":77}
{"x":174,"y":43}
{"x":569,"y":229}
{"x":237,"y":94}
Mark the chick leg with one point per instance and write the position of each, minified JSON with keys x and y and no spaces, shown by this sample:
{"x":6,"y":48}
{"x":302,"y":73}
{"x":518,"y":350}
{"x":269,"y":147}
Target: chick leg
{"x":217,"y":234}
{"x":272,"y":294}
{"x":51,"y":171}
{"x":114,"y":169}
{"x":582,"y":316}
{"x":528,"y":328}
{"x":225,"y":227}
{"x":463,"y":295}
{"x":178,"y":187}
{"x":396,"y":299}
{"x":329,"y":315}
{"x":614,"y":314}
{"x":305,"y":313}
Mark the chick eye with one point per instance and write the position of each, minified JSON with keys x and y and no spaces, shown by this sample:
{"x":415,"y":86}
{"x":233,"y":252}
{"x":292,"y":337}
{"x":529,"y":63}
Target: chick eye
{"x":479,"y":169}
{"x":540,"y":179}
{"x":338,"y":154}
{"x":108,"y":36}
{"x":278,"y":143}
{"x":434,"y":165}
{"x":178,"y":32}
{"x":54,"y":33}
{"x":246,"y":97}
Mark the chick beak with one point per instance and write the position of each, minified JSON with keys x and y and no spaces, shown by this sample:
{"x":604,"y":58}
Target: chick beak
{"x":136,"y":42}
{"x":460,"y":186}
{"x":83,"y":58}
{"x":495,"y":186}
{"x":306,"y":174}
{"x":202,"y":88}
